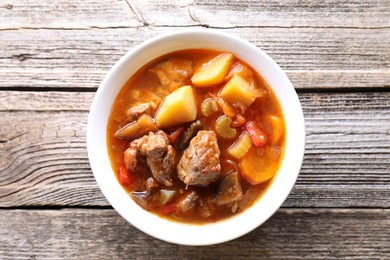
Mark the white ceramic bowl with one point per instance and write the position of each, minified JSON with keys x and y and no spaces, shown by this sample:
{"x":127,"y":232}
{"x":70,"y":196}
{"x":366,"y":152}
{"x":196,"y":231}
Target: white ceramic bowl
{"x":175,"y":232}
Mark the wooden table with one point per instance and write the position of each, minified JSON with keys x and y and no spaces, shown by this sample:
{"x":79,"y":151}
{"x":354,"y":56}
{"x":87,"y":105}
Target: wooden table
{"x":54,"y":54}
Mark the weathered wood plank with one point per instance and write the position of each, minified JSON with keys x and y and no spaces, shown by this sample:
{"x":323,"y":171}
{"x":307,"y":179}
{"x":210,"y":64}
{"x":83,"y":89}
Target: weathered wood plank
{"x":312,"y":57}
{"x":69,"y":14}
{"x":275,"y":13}
{"x":45,"y":101}
{"x":302,"y":48}
{"x":44,"y":160}
{"x":103,"y":234}
{"x":339,"y":79}
{"x":88,"y":78}
{"x":219,"y":14}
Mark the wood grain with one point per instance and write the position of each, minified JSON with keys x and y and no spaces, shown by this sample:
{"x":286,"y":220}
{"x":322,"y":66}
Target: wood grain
{"x":312,"y":57}
{"x":275,"y":13}
{"x":214,"y":13}
{"x":70,"y":14}
{"x":45,"y":101}
{"x":63,"y":79}
{"x":103,"y":234}
{"x":44,"y":160}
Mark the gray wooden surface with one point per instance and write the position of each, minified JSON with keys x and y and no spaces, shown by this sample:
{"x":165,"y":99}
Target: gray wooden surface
{"x":53,"y":55}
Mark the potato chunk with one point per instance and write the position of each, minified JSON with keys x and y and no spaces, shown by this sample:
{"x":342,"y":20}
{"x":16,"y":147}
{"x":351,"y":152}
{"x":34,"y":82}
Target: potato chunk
{"x":178,"y":107}
{"x":214,"y":71}
{"x":237,"y":89}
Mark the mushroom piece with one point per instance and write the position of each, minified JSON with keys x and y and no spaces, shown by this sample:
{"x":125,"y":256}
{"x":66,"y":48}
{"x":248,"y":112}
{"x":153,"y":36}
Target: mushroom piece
{"x":188,"y":134}
{"x":229,"y":190}
{"x":141,"y":198}
{"x":138,"y":128}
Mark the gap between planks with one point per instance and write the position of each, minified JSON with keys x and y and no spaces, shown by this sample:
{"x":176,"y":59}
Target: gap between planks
{"x":210,"y":14}
{"x":205,"y":26}
{"x":298,"y":90}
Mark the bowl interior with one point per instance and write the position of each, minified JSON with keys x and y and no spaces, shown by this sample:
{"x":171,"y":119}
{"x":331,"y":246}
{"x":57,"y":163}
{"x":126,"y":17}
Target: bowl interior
{"x":175,"y":232}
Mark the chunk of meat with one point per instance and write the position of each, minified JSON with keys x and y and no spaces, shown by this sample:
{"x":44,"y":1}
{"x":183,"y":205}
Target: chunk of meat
{"x":153,"y":144}
{"x":200,"y":163}
{"x":162,"y":167}
{"x":145,"y":108}
{"x":160,"y":156}
{"x":151,"y":183}
{"x":173,"y":73}
{"x":131,"y":156}
{"x":188,"y":203}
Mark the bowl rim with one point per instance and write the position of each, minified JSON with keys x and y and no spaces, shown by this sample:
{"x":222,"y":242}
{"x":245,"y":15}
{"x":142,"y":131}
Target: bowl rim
{"x":174,"y":232}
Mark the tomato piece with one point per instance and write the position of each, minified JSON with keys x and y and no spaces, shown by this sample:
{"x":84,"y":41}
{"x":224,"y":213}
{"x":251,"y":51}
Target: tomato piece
{"x":258,"y":137}
{"x":167,"y":209}
{"x":124,"y":176}
{"x":175,"y":135}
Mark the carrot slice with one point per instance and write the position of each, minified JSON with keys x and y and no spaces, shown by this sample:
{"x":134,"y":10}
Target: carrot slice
{"x":258,"y":165}
{"x":277,"y":127}
{"x":226,"y":107}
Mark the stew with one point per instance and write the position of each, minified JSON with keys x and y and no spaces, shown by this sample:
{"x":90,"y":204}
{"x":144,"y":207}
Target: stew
{"x":196,"y":136}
